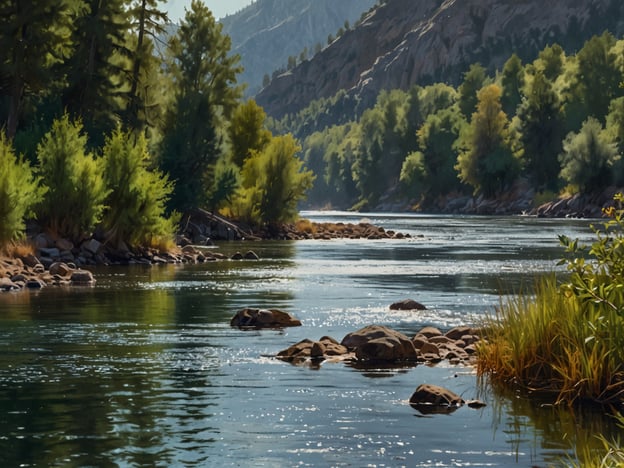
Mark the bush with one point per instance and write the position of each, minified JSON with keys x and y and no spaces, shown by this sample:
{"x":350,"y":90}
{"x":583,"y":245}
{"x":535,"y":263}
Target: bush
{"x":74,"y":201}
{"x":136,"y":201}
{"x":588,"y":157}
{"x":19,"y":191}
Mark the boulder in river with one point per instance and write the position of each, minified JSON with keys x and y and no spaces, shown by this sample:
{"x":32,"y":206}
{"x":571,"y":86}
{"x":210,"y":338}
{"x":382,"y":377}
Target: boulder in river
{"x":263,"y":318}
{"x":379,"y":343}
{"x":308,"y":350}
{"x":433,"y":399}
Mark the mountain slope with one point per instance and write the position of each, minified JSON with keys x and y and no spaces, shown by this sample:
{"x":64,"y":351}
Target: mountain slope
{"x":403,"y":42}
{"x":267,"y":32}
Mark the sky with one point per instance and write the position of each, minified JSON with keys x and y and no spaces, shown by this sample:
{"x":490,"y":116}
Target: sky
{"x":219,"y":8}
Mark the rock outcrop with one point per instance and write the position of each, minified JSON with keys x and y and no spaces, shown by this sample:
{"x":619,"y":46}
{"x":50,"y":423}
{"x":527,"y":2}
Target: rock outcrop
{"x":407,"y":304}
{"x":403,"y":42}
{"x":258,"y":32}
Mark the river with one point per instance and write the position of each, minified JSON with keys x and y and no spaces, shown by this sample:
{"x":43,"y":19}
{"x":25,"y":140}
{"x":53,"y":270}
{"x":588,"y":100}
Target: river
{"x":144,"y":370}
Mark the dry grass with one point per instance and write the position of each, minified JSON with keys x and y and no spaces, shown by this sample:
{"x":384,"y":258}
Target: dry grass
{"x":305,"y":225}
{"x":20,"y":248}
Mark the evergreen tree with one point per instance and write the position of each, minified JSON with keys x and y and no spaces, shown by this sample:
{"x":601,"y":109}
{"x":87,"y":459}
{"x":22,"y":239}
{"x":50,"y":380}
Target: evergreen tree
{"x":96,"y":72}
{"x":474,"y":79}
{"x":135,"y":205}
{"x":541,"y":129}
{"x":205,"y":94}
{"x":274,"y":182}
{"x":512,"y":82}
{"x":35,"y":37}
{"x":599,"y":76}
{"x":142,"y":107}
{"x":74,"y":200}
{"x":247,"y":131}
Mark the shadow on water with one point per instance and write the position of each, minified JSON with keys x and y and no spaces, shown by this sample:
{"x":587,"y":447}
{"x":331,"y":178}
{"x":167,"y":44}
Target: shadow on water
{"x":560,"y":433}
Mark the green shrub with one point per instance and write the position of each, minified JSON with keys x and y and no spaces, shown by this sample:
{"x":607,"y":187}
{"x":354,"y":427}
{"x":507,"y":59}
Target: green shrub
{"x":74,"y":200}
{"x":136,"y":201}
{"x":273,"y":182}
{"x":19,"y":191}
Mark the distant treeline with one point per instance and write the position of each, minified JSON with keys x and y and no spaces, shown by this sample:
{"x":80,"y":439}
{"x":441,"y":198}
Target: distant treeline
{"x":557,"y":121}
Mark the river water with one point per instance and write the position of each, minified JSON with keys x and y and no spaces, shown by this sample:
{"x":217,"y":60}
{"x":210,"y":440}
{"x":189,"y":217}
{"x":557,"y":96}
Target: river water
{"x":144,"y":370}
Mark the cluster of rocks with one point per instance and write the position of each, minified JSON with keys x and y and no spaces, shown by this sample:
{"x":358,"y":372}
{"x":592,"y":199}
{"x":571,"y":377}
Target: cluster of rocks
{"x":58,"y":262}
{"x":379,"y":344}
{"x":94,"y":252}
{"x":578,"y":205}
{"x":325,"y":231}
{"x":29,"y":273}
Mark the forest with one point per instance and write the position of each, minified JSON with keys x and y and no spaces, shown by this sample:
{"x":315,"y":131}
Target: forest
{"x":556,"y":122}
{"x":115,"y":124}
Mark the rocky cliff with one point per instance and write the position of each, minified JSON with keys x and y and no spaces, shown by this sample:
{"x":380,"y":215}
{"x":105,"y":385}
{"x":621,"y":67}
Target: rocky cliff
{"x":403,"y":42}
{"x":267,"y":32}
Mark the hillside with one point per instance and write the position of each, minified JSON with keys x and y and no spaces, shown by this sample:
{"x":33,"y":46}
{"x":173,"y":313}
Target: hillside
{"x":267,"y":32}
{"x":403,"y":42}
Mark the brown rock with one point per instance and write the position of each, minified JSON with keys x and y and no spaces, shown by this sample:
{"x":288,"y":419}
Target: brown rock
{"x":82,"y":278}
{"x":432,"y":399}
{"x":407,"y":304}
{"x":262,"y":318}
{"x":457,"y":332}
{"x":60,"y":268}
{"x":379,"y":343}
{"x":428,"y":332}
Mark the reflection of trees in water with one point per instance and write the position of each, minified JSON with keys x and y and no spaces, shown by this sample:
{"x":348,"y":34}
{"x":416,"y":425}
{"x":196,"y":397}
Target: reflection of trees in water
{"x":555,"y":434}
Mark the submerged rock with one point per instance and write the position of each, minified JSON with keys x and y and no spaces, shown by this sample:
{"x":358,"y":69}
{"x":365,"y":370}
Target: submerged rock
{"x":263,"y":318}
{"x":407,"y":304}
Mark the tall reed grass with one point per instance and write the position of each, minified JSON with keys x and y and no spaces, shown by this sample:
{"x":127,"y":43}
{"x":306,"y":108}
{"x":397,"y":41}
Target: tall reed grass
{"x":553,"y":342}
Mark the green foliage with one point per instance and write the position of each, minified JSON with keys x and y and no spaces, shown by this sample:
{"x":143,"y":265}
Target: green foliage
{"x":96,"y":70}
{"x":486,"y":160}
{"x":587,"y":157}
{"x":226,"y":182}
{"x":474,"y":79}
{"x":567,"y":339}
{"x":204,"y":77}
{"x":247,"y":131}
{"x":74,"y":201}
{"x":135,"y":205}
{"x":273,"y":183}
{"x":35,"y":37}
{"x":436,"y":139}
{"x":414,"y":175}
{"x":19,"y":192}
{"x":541,"y":130}
{"x":512,"y":82}
{"x":599,"y":282}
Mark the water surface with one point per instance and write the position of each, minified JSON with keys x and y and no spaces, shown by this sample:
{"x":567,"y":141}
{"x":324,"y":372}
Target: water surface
{"x":144,"y":370}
